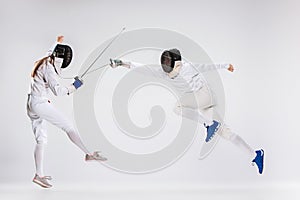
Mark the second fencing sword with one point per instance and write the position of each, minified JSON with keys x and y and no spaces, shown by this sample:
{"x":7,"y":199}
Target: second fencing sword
{"x":108,"y":45}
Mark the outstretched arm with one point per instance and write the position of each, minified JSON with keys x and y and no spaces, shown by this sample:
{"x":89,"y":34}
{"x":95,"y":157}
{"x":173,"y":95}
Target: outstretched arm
{"x":209,"y":67}
{"x":144,"y":69}
{"x":116,"y":63}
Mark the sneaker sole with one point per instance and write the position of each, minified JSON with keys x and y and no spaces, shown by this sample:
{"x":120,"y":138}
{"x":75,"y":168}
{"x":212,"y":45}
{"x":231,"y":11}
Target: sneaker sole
{"x":89,"y":160}
{"x":41,"y":183}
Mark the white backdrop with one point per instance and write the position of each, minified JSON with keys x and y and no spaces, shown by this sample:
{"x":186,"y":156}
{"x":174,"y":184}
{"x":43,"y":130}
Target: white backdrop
{"x":261,"y":39}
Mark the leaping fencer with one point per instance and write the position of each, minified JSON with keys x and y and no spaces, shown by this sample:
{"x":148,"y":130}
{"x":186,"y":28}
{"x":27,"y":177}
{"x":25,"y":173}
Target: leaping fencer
{"x":40,"y":109}
{"x":185,"y":77}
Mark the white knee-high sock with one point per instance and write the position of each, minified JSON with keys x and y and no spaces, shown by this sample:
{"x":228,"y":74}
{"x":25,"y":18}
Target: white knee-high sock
{"x":39,"y":158}
{"x":239,"y":142}
{"x":227,"y":134}
{"x":75,"y":138}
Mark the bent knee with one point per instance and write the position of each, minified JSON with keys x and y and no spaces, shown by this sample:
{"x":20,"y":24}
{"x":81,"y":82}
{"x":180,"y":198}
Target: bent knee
{"x":226,"y":133}
{"x":41,"y":140}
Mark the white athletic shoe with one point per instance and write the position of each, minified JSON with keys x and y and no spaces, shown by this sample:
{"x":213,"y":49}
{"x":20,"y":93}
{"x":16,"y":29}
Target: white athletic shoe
{"x":42,"y":181}
{"x":95,"y":156}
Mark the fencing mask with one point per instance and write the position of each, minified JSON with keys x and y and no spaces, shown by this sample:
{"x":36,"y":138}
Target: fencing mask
{"x":64,"y":53}
{"x":168,"y":58}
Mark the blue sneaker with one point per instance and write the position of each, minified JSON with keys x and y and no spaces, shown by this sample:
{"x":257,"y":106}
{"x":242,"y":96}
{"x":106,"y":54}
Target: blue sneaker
{"x":259,"y":160}
{"x":211,"y":130}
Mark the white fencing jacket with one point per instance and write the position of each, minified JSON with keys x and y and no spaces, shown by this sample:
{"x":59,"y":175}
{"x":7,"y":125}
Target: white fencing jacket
{"x":189,"y":78}
{"x":46,"y":80}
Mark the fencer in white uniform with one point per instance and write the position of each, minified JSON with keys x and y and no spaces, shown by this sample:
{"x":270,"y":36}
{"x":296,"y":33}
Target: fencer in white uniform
{"x":197,"y":102}
{"x":40,"y":109}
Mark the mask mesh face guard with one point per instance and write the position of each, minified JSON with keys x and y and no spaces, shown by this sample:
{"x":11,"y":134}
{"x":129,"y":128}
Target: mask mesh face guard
{"x":168,"y":59}
{"x":65,"y":52}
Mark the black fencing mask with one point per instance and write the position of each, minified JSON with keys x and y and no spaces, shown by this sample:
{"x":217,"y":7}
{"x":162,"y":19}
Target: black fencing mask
{"x":64,"y":52}
{"x":168,"y":58}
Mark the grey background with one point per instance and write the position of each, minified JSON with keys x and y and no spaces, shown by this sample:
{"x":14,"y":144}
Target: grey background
{"x":261,"y":39}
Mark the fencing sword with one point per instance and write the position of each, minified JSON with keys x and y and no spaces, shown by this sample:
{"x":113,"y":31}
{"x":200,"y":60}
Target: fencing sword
{"x":108,"y":45}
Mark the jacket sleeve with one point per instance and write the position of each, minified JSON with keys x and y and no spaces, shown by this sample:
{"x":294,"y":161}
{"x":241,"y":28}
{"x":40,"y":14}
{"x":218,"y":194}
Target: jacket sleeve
{"x":147,"y":70}
{"x":57,"y":89}
{"x":209,"y":67}
{"x":133,"y":65}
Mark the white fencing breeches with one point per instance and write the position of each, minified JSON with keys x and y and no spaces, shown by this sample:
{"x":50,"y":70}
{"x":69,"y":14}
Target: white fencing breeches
{"x":41,"y":110}
{"x":199,"y":106}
